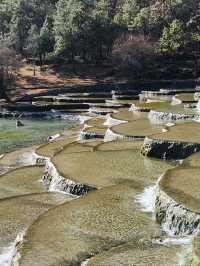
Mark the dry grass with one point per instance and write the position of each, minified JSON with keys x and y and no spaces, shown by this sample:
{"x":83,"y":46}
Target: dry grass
{"x":58,"y":76}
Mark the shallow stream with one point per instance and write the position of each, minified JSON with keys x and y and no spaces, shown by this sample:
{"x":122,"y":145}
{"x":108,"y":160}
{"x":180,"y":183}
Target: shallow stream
{"x":113,"y":225}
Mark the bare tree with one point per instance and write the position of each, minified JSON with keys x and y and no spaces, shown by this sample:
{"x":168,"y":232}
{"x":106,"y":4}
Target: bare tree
{"x":132,"y":53}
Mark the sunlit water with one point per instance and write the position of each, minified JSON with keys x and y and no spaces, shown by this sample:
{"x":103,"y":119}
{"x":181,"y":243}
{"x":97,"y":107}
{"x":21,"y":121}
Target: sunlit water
{"x":33,"y":131}
{"x":177,"y":109}
{"x":77,"y":230}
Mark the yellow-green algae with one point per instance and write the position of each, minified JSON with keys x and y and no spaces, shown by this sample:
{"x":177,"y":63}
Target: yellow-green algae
{"x":176,"y":109}
{"x":72,"y":232}
{"x":34,"y":131}
{"x":21,"y":181}
{"x":186,"y":97}
{"x":165,"y":107}
{"x":138,"y":128}
{"x":105,"y":167}
{"x":126,"y":115}
{"x":12,"y":135}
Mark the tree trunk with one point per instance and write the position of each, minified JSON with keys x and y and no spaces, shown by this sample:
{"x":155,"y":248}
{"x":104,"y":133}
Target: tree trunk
{"x":3,"y":85}
{"x":72,"y":59}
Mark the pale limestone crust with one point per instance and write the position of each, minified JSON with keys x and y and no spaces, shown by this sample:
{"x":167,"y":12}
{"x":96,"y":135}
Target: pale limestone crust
{"x":155,"y":116}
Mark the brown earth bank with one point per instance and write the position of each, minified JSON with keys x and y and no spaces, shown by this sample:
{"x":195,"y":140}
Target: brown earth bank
{"x":35,"y":80}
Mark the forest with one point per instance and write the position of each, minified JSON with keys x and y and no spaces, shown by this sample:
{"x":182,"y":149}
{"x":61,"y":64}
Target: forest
{"x":148,"y":39}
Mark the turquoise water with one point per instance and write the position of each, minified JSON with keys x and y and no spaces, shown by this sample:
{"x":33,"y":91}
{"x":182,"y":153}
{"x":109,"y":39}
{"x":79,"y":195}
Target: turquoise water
{"x":34,"y":131}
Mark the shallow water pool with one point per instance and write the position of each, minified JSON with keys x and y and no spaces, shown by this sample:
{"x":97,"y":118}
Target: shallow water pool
{"x":33,"y":131}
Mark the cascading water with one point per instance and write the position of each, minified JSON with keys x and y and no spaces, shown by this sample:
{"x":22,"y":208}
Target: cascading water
{"x":178,"y":223}
{"x":29,"y":158}
{"x":112,"y":121}
{"x":84,"y":118}
{"x":84,"y":263}
{"x":111,"y":136}
{"x":175,"y":101}
{"x":147,"y":199}
{"x":156,"y":116}
{"x":196,"y":96}
{"x":177,"y":232}
{"x":56,"y":183}
{"x":9,"y":255}
{"x":198,"y":106}
{"x":174,"y":218}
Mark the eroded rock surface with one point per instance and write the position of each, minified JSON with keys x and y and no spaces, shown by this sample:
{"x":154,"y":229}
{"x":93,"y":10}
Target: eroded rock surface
{"x":72,"y":232}
{"x":178,"y":142}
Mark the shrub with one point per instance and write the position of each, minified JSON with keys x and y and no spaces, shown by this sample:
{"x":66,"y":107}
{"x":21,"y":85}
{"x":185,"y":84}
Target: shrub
{"x":133,"y":54}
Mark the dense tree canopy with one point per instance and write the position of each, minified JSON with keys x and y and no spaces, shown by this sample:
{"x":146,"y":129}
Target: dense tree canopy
{"x":88,"y":30}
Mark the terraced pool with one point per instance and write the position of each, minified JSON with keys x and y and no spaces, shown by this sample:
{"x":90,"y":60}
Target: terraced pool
{"x":97,"y":201}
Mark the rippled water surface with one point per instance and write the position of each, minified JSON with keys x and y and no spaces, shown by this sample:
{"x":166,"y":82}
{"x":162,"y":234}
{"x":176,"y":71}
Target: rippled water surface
{"x":177,"y":109}
{"x":34,"y":131}
{"x":109,"y":225}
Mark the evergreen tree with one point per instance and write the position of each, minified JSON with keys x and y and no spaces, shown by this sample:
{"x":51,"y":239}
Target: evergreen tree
{"x":172,"y":38}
